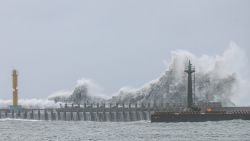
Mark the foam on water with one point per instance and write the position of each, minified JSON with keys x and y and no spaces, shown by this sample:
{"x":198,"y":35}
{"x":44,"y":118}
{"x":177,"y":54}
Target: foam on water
{"x":13,"y":119}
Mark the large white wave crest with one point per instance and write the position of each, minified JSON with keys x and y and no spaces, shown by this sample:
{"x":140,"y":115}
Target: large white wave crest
{"x":223,"y":78}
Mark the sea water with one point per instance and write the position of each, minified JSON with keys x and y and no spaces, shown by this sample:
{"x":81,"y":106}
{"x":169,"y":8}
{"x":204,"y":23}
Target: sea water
{"x":33,"y":130}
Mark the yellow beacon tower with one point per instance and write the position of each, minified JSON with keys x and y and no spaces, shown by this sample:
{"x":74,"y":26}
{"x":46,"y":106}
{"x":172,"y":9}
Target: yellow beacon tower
{"x":15,"y":107}
{"x":15,"y":88}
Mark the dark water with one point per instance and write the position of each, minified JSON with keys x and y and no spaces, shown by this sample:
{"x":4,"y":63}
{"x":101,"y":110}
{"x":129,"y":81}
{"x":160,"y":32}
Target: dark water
{"x":25,"y":130}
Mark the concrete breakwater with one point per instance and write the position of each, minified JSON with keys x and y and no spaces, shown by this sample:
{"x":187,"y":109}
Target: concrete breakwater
{"x":89,"y":112}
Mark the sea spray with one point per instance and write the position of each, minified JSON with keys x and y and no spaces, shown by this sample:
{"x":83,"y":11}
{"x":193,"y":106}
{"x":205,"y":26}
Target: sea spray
{"x":220,"y":78}
{"x":31,"y":103}
{"x":85,"y":91}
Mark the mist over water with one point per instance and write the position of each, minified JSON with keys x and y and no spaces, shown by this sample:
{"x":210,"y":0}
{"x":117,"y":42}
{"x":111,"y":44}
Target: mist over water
{"x":31,"y":103}
{"x":220,"y":78}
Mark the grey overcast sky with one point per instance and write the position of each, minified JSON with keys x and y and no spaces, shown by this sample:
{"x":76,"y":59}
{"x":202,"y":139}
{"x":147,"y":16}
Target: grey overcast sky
{"x":53,"y":43}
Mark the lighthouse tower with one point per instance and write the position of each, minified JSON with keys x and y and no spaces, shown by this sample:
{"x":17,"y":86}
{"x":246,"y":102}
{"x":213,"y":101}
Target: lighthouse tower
{"x":189,"y":71}
{"x":14,"y":87}
{"x":15,"y":107}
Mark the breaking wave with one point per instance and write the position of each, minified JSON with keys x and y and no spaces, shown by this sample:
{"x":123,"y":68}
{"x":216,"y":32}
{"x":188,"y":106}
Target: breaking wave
{"x":86,"y":91}
{"x":220,"y":78}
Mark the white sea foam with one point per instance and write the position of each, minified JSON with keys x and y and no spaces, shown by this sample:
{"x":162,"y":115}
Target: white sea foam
{"x":227,"y":75}
{"x":31,"y":103}
{"x":233,"y":62}
{"x":14,"y":119}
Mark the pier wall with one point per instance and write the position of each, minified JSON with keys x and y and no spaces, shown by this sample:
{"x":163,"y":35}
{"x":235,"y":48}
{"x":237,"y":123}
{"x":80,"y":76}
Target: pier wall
{"x":103,"y":112}
{"x":89,"y":112}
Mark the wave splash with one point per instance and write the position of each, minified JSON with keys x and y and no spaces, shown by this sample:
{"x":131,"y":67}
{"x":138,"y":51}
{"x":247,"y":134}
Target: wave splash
{"x":220,"y":78}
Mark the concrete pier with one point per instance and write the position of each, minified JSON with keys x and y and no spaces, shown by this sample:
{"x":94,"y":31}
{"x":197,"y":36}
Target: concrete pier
{"x":113,"y":112}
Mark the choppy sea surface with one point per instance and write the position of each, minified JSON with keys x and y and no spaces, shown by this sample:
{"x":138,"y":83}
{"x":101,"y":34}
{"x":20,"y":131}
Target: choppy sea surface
{"x":28,"y":130}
